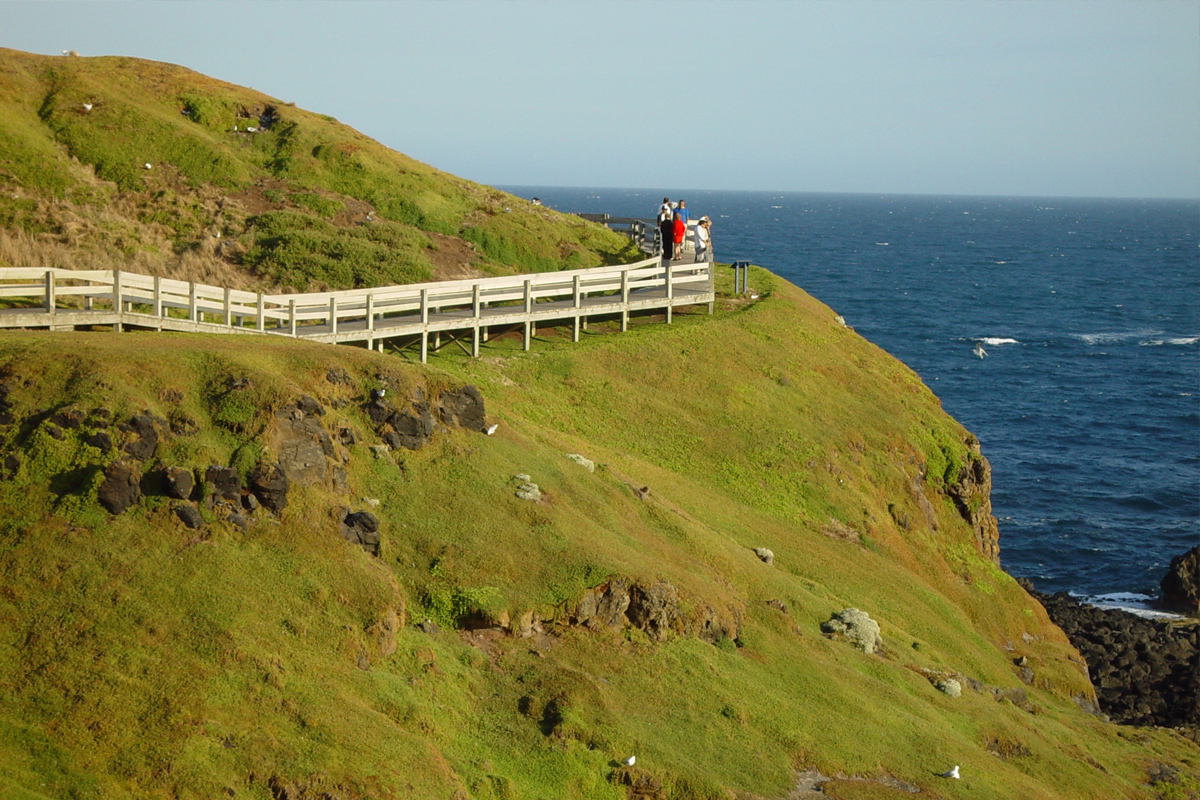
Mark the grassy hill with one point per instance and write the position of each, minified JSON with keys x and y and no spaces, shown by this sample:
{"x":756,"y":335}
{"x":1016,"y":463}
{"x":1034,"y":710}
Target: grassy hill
{"x":143,"y":658}
{"x":119,"y":162}
{"x":399,"y":623}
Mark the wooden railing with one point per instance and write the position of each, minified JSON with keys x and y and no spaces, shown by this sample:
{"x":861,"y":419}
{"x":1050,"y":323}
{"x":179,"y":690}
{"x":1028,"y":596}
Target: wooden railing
{"x":63,"y":299}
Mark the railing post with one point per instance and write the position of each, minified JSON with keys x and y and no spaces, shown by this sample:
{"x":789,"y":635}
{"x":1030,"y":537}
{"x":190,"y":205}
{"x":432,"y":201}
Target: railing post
{"x":475,"y":313}
{"x":192,"y":301}
{"x":528,"y":312}
{"x":624,"y":300}
{"x":158,"y":306}
{"x":292,"y":317}
{"x":51,"y":301}
{"x":670,"y":294}
{"x":333,"y":315}
{"x":370,"y":322}
{"x":259,"y":313}
{"x":712,"y":286}
{"x":575,"y":293}
{"x":424,"y":325}
{"x":118,"y":300}
{"x":228,"y":309}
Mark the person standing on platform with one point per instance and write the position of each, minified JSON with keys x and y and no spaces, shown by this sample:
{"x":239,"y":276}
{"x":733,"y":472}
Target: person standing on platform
{"x":683,"y":212}
{"x":666,"y":230}
{"x":680,"y":227}
{"x":703,"y":240}
{"x":664,"y":210}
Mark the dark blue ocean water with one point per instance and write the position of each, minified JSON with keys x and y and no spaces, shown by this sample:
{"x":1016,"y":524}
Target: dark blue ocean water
{"x":1088,"y":403}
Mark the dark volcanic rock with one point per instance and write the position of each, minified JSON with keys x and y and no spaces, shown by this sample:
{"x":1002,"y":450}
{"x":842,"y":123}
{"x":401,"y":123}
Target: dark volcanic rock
{"x":361,"y":528}
{"x":303,"y":445}
{"x":269,"y":484}
{"x":99,"y":440}
{"x":1181,"y":585}
{"x":462,"y":408}
{"x":189,"y":515}
{"x":411,"y":429}
{"x":310,"y":406}
{"x":178,"y":482}
{"x":1145,"y":672}
{"x":223,"y":483}
{"x":120,"y":488}
{"x":142,"y":427}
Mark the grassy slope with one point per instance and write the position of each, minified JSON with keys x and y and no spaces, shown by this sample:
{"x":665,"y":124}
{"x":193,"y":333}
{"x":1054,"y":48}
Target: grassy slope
{"x":289,"y":201}
{"x":141,"y":660}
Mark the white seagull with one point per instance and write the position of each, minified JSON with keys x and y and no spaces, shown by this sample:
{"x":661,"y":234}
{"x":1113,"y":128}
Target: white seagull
{"x":492,"y":428}
{"x":951,"y":773}
{"x":979,"y":351}
{"x":87,"y":106}
{"x":629,"y":762}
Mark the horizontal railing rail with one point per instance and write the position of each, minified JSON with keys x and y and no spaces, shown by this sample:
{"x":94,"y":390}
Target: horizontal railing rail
{"x":61,"y":298}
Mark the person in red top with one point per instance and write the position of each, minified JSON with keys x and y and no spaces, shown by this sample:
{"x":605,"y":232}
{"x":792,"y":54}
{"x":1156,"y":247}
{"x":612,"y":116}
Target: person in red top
{"x":680,"y":229}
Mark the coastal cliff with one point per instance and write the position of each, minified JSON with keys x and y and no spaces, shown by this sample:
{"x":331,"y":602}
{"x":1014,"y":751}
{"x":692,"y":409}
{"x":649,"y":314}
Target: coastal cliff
{"x":747,"y":549}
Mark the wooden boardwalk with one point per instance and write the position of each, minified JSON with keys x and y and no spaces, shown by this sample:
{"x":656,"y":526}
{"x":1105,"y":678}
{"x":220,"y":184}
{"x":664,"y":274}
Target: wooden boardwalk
{"x":420,"y":313}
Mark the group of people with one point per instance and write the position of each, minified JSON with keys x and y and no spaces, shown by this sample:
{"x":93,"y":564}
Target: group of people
{"x":673,"y":225}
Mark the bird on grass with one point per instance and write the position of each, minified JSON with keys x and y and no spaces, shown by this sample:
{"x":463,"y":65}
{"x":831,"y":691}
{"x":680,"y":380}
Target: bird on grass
{"x":629,"y":762}
{"x":87,"y":107}
{"x":492,"y":428}
{"x":951,"y":773}
{"x":979,"y":351}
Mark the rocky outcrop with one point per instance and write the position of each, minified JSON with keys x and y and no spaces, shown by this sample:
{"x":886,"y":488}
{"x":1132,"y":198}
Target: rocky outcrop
{"x":462,"y":408}
{"x":269,"y":484}
{"x":178,"y":482}
{"x":1181,"y":585}
{"x":1145,"y":672}
{"x":971,"y":492}
{"x":657,"y":609}
{"x":302,"y":442}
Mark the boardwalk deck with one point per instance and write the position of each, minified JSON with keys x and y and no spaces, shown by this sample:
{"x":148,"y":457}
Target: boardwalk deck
{"x":61,"y":299}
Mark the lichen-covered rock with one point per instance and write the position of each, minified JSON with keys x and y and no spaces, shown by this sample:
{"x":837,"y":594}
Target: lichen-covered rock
{"x":764,"y":555}
{"x":605,"y":604}
{"x":950,"y":687}
{"x":856,"y":627}
{"x":583,"y":461}
{"x":303,"y":446}
{"x":119,"y":489}
{"x":529,"y":491}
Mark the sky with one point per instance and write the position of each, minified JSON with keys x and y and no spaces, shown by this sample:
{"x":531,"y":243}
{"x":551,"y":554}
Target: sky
{"x":1080,"y":98}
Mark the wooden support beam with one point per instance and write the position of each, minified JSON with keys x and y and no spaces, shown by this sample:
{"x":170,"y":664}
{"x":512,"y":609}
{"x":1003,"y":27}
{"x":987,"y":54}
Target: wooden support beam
{"x":260,"y":308}
{"x":292,"y":317}
{"x":624,"y":300}
{"x":117,"y":299}
{"x":228,"y":308}
{"x":51,"y":302}
{"x":333,"y":315}
{"x":192,"y":301}
{"x":424,"y":346}
{"x":158,"y":304}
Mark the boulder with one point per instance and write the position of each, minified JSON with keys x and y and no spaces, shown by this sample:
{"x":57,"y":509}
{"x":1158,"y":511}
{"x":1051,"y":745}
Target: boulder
{"x":529,"y":491}
{"x":361,"y":528}
{"x":856,"y":627}
{"x":655,"y":609}
{"x":223,"y":483}
{"x":269,"y":484}
{"x":605,"y":604}
{"x":764,"y":555}
{"x":410,"y":429}
{"x":99,"y":440}
{"x":178,"y":482}
{"x":949,"y":687}
{"x":119,"y":489}
{"x":462,"y":408}
{"x":303,"y":445}
{"x":189,"y":515}
{"x":309,"y":406}
{"x":1181,"y":585}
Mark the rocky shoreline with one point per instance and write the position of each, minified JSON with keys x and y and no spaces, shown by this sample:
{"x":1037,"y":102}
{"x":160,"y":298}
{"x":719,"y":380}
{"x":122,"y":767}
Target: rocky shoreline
{"x":1146,"y":672}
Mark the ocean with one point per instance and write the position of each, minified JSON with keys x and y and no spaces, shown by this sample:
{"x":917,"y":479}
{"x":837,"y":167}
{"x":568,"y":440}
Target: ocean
{"x":1087,"y":404}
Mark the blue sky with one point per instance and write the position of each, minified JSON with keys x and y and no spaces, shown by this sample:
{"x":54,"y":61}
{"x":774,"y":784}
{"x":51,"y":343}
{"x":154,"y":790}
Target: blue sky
{"x":1016,"y":97}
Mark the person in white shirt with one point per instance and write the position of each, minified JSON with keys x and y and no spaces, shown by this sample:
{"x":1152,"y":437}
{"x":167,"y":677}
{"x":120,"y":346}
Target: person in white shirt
{"x":703,"y":240}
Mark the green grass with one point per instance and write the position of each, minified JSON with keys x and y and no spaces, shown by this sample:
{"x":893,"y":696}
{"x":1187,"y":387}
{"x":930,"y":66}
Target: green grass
{"x":142,"y":659}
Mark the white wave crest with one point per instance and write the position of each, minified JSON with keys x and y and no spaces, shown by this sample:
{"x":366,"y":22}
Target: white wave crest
{"x":1112,"y":338}
{"x":1181,"y":341}
{"x":996,"y":341}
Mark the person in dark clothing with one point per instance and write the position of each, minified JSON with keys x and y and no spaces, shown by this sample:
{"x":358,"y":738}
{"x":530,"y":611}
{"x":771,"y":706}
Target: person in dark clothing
{"x":666,"y":228}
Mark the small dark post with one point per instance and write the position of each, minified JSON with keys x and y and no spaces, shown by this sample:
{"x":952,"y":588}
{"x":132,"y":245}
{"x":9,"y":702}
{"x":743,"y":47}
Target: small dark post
{"x":743,"y":267}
